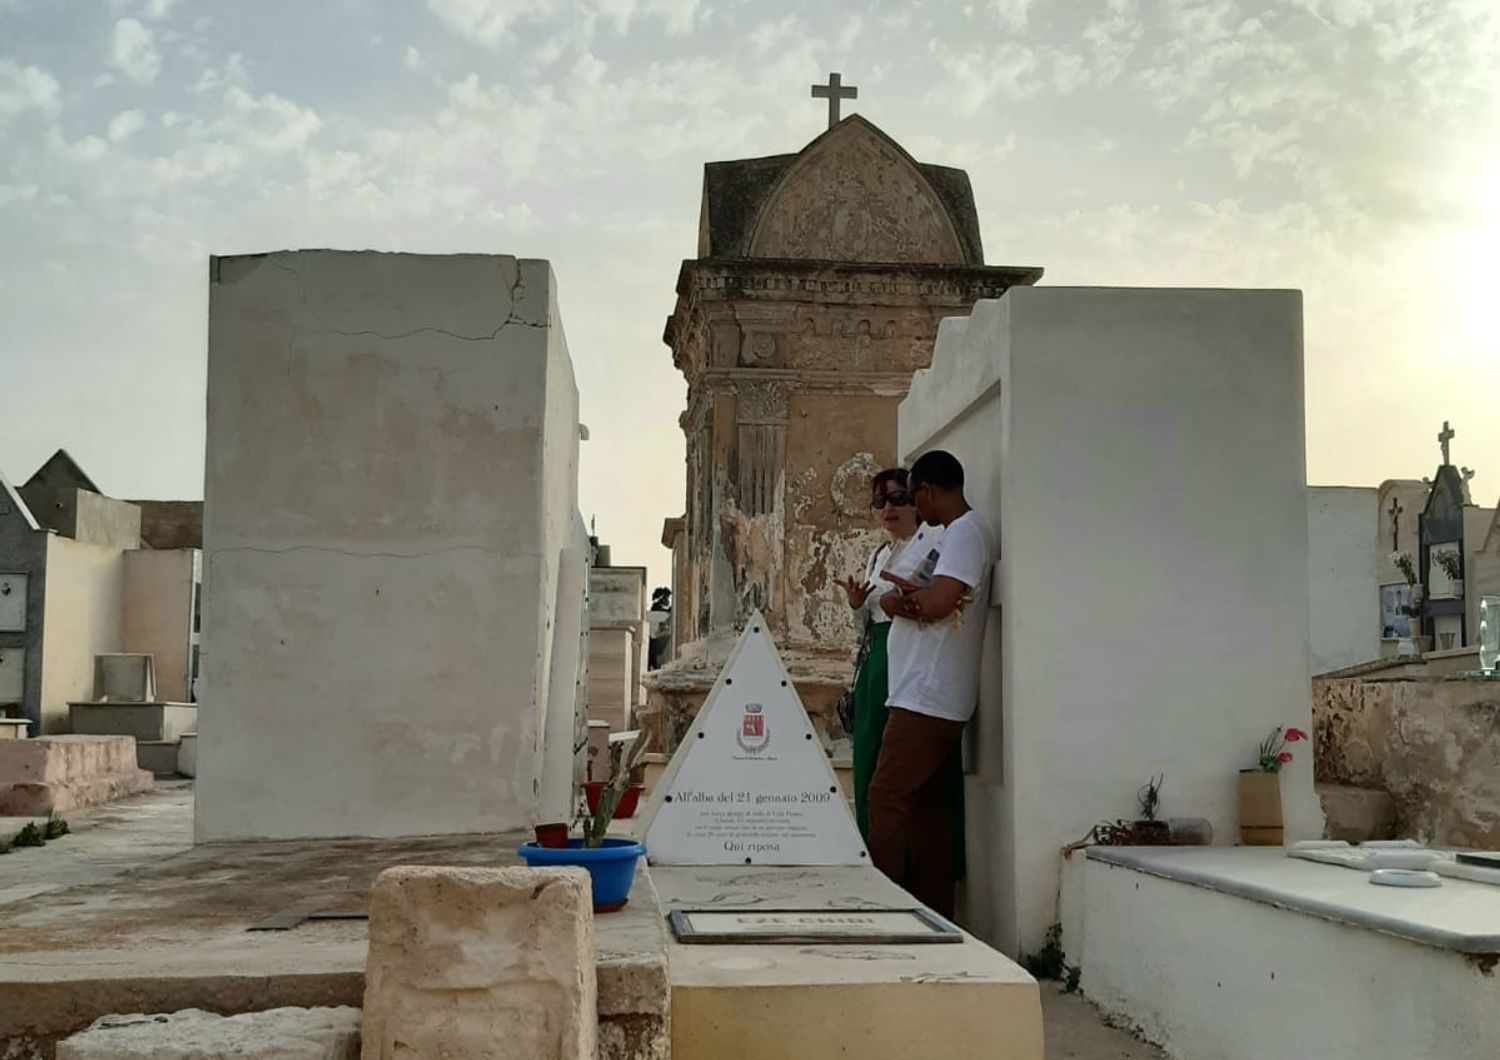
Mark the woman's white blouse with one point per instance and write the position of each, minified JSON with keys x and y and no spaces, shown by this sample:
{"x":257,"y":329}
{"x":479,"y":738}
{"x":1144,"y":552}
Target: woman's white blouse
{"x":871,"y":607}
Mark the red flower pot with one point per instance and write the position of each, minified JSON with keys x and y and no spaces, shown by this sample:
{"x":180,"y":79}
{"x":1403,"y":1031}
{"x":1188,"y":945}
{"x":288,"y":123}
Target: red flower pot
{"x":628,"y":801}
{"x":552,"y":836}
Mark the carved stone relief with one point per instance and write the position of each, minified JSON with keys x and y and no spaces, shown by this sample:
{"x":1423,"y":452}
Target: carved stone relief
{"x":761,"y":402}
{"x":856,"y":197}
{"x":761,"y":350}
{"x":851,"y":485}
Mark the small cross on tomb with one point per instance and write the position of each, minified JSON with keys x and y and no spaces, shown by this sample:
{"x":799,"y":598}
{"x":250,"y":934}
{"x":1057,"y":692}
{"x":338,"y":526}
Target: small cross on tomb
{"x":1444,"y":437}
{"x":1396,"y":511}
{"x":835,"y":91}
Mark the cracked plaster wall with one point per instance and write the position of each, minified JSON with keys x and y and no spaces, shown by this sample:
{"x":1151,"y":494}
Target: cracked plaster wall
{"x":391,"y":478}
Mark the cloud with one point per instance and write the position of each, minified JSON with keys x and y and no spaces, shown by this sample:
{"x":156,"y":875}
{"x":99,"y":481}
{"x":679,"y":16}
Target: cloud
{"x":10,"y":193}
{"x":486,"y":22}
{"x":25,"y":88}
{"x":84,"y":149}
{"x":232,"y":73}
{"x":134,"y":52}
{"x":126,"y":124}
{"x":269,"y":122}
{"x":1013,"y":13}
{"x":490,"y":23}
{"x":412,"y":59}
{"x":158,"y":9}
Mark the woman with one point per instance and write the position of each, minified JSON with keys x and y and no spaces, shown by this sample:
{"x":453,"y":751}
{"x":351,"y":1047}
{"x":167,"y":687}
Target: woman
{"x":897,"y":516}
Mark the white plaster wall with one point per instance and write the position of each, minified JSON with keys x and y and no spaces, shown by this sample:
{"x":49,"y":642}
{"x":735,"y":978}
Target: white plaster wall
{"x":1140,"y":453}
{"x":1343,"y":579}
{"x":100,"y":520}
{"x":569,"y":645}
{"x":1209,"y":976}
{"x":1478,"y":574}
{"x":157,"y":614}
{"x":85,"y":588}
{"x":391,"y":479}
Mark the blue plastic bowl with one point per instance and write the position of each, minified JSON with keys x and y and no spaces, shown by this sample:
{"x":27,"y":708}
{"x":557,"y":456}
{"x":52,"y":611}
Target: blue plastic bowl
{"x":611,"y":866}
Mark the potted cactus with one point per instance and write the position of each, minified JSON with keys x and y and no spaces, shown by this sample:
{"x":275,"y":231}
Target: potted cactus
{"x":610,"y":860}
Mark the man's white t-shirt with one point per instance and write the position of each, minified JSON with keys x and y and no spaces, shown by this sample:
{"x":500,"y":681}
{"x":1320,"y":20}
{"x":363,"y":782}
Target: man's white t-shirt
{"x":934,"y":666}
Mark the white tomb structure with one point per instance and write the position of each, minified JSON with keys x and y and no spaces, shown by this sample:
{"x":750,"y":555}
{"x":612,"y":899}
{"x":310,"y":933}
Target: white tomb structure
{"x":1139,"y":453}
{"x":393,"y":551}
{"x":750,"y":783}
{"x":1343,"y":576}
{"x":1247,"y":953}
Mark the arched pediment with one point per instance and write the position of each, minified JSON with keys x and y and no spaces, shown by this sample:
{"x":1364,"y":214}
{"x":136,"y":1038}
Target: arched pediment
{"x":854,"y":195}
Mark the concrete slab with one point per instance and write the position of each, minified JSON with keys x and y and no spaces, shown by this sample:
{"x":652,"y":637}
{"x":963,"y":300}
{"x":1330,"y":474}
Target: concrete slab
{"x":1076,"y":1030}
{"x":871,"y":1001}
{"x":1194,"y":957}
{"x":1459,"y":916}
{"x":277,"y":1034}
{"x":147,"y":722}
{"x":103,"y":841}
{"x":127,"y":916}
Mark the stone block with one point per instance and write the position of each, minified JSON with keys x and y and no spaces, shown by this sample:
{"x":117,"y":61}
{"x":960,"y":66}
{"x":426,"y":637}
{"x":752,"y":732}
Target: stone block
{"x":157,"y":757}
{"x":144,"y":721}
{"x":125,"y":678}
{"x":54,"y":774}
{"x":187,"y":755}
{"x":192,"y":1034}
{"x":468,"y":962}
{"x":1357,"y":815}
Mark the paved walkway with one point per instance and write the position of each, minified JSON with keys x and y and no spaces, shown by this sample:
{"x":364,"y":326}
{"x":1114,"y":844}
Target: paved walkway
{"x":128,"y":885}
{"x":1075,"y":1031}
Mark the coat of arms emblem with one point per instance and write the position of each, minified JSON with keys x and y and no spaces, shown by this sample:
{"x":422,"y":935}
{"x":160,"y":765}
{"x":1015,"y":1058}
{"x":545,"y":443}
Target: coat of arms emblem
{"x":754,"y":734}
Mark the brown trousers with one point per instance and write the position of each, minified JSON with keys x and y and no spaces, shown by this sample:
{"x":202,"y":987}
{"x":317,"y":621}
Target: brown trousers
{"x":910,"y":835}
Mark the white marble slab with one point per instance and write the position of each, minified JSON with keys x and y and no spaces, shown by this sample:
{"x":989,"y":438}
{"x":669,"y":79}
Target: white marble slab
{"x":1461,"y":916}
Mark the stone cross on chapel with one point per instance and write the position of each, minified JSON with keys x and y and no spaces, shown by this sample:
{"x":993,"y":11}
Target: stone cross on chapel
{"x":1446,"y":435}
{"x":835,"y":92}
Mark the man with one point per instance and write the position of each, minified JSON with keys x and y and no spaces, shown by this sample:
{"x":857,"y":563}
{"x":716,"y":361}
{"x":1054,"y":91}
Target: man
{"x":937,"y":635}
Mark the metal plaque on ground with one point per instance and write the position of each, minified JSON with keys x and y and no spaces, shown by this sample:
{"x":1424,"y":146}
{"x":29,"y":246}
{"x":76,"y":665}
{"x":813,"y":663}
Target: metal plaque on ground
{"x":765,"y":926}
{"x":750,"y":782}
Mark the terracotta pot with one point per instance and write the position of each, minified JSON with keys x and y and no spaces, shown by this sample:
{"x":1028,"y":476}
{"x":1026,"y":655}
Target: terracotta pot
{"x":1260,"y":808}
{"x":552,"y":836}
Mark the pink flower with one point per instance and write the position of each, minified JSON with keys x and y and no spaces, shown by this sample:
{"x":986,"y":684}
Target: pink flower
{"x":1284,"y":757}
{"x":1293,"y":735}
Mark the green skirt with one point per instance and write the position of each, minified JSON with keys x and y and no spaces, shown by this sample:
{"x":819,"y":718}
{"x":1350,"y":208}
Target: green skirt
{"x":871,"y":686}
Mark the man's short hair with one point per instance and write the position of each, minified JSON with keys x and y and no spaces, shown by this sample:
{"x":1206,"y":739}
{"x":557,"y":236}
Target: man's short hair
{"x":938,"y":469}
{"x":890,"y":474}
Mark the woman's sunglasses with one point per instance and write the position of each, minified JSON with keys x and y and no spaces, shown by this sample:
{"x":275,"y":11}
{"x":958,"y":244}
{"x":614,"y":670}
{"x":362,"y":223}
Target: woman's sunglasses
{"x":899,"y":499}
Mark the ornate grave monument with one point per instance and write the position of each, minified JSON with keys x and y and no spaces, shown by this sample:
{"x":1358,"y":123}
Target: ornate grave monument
{"x":819,"y":283}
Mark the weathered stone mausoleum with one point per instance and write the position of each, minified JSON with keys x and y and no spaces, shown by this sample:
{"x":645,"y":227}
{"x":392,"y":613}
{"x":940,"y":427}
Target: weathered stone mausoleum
{"x":819,"y":283}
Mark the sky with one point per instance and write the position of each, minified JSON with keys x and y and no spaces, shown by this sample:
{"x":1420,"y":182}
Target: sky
{"x":1349,"y":148}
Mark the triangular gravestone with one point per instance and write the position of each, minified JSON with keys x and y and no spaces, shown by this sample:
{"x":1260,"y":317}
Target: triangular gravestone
{"x":751,"y":783}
